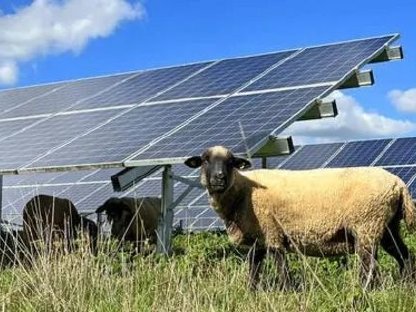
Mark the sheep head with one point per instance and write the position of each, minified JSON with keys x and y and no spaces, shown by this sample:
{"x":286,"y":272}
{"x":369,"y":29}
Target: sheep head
{"x":119,"y":215}
{"x":218,"y":166}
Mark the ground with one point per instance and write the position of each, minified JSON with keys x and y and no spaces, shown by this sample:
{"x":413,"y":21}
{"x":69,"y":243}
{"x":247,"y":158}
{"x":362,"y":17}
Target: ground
{"x":205,"y":274}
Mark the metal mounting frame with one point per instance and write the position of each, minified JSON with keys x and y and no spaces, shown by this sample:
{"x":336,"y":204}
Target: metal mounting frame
{"x":322,"y":109}
{"x":128,"y":177}
{"x":389,"y":54}
{"x":275,"y":146}
{"x":363,"y":78}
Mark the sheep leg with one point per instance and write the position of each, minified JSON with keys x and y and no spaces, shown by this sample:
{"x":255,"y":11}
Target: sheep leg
{"x":393,"y":244}
{"x":368,"y":259}
{"x":283,"y":281}
{"x":255,"y":257}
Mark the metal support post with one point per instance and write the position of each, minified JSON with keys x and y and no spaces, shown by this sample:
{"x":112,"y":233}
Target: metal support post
{"x":264,"y":162}
{"x":164,"y":230}
{"x":1,"y":198}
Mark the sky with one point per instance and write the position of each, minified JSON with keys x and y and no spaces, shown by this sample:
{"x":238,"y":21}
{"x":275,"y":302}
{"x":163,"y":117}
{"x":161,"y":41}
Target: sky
{"x":51,"y":40}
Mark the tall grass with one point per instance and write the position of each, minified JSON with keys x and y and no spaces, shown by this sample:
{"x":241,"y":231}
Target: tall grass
{"x":205,"y":274}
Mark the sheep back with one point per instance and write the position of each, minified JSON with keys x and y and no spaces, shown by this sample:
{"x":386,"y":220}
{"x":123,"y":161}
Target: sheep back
{"x":44,"y":211}
{"x":311,"y":206}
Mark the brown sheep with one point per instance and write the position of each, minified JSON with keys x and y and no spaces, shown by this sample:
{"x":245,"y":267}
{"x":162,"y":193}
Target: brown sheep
{"x":133,"y":219}
{"x":46,"y":216}
{"x":321,"y":212}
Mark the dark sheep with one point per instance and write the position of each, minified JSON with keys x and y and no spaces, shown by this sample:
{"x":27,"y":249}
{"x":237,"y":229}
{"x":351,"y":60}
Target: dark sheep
{"x":133,"y":219}
{"x":46,"y":217}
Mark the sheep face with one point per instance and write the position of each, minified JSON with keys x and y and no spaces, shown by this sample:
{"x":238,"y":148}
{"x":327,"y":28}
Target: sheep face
{"x":120,"y":217}
{"x":217,"y":168}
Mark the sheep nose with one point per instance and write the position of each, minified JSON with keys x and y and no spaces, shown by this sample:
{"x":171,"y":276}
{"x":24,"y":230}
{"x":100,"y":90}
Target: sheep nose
{"x":219,"y":175}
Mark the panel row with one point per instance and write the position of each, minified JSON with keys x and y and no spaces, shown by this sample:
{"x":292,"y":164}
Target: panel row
{"x":88,"y":189}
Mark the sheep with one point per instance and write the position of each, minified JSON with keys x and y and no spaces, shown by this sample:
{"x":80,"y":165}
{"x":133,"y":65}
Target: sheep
{"x":133,"y":219}
{"x":320,"y":212}
{"x":46,"y":216}
{"x":13,"y":247}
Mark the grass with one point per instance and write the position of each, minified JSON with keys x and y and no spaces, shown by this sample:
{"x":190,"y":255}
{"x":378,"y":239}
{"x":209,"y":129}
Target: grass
{"x":205,"y":274}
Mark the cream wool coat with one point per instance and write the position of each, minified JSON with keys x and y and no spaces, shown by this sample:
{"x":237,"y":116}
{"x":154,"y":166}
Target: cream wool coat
{"x":318,"y":212}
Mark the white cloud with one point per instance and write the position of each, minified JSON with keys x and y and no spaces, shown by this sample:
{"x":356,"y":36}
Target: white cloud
{"x":352,"y":122}
{"x":404,"y":101}
{"x":8,"y":72}
{"x":54,"y":26}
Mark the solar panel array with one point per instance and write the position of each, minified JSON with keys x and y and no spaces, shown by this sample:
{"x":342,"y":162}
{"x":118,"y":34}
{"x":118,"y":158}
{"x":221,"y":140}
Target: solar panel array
{"x":89,"y":189}
{"x":168,"y":114}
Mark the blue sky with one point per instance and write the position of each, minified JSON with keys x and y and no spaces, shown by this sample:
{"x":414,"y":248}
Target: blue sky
{"x":176,"y":32}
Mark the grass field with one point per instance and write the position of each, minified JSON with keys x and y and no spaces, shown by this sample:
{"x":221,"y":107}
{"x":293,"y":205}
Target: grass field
{"x":205,"y":274}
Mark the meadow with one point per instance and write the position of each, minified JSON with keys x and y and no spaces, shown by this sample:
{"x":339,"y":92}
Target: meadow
{"x":205,"y":273}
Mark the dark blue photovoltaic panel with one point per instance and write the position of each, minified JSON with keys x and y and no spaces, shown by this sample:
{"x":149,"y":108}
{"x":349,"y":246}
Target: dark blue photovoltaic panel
{"x":320,"y":64}
{"x":10,"y":127}
{"x":78,"y":192}
{"x":272,"y":162}
{"x":361,"y":153}
{"x":72,"y":177}
{"x":31,"y":179}
{"x":11,"y":98}
{"x":224,"y":77}
{"x":24,"y":147}
{"x":15,"y":198}
{"x":102,"y":175}
{"x":120,"y":138}
{"x":401,"y":152}
{"x":140,"y":88}
{"x":404,"y":173}
{"x":63,"y":98}
{"x":258,"y":114}
{"x":311,"y":156}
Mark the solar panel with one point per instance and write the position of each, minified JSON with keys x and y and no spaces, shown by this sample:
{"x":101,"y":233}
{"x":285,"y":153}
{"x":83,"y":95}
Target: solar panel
{"x":405,"y":173}
{"x":311,"y":156}
{"x":257,"y":114}
{"x":142,"y":92}
{"x":146,"y":85}
{"x":21,"y":149}
{"x":361,"y":153}
{"x":401,"y":152}
{"x":11,"y":127}
{"x":224,"y":77}
{"x":63,"y":98}
{"x":12,"y":98}
{"x":120,"y":138}
{"x":320,"y":64}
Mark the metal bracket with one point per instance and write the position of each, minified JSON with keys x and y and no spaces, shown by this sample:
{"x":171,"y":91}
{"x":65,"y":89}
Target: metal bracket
{"x":389,"y":54}
{"x":128,"y":177}
{"x":186,"y":181}
{"x":276,"y":146}
{"x":359,"y":79}
{"x":322,"y":109}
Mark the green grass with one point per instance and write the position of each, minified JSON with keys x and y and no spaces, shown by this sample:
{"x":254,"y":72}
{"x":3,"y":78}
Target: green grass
{"x":205,"y":274}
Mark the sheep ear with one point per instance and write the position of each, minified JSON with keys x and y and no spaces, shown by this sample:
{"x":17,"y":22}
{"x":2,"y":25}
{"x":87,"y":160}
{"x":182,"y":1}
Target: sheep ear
{"x":241,"y":163}
{"x":194,"y":162}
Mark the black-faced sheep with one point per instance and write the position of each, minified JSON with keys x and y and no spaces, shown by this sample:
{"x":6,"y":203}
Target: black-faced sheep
{"x":47,"y":217}
{"x":322,"y":212}
{"x":133,"y":219}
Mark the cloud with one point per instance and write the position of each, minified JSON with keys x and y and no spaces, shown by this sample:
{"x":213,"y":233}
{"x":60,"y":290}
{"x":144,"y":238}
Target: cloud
{"x":55,"y":26}
{"x":353,"y":122}
{"x":404,"y":101}
{"x":8,"y":72}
